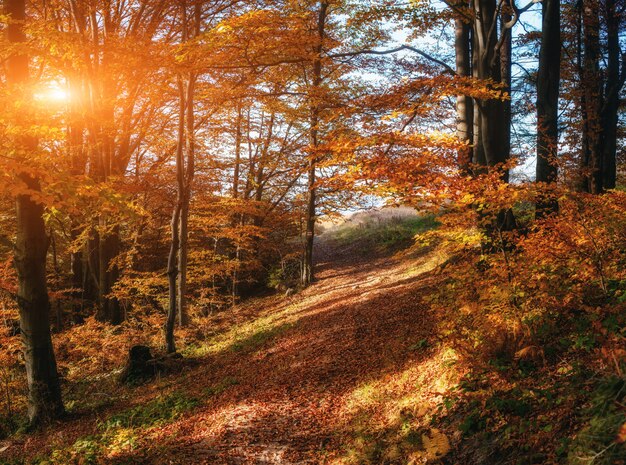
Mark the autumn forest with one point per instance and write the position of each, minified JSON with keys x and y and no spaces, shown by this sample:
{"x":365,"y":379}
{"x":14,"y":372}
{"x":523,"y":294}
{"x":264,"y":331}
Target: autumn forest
{"x":313,"y":232}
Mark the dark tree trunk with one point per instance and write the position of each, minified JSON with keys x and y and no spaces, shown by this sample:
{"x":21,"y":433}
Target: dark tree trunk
{"x":185,"y":165}
{"x":44,"y":400}
{"x":614,"y":83}
{"x":77,"y":271}
{"x":492,"y":119}
{"x":172,"y":262}
{"x":109,"y":247}
{"x":592,"y":91}
{"x":172,"y":275}
{"x":186,"y":189}
{"x":78,"y":161}
{"x":582,"y":184}
{"x":491,"y":58}
{"x":506,"y":61}
{"x":548,"y":81}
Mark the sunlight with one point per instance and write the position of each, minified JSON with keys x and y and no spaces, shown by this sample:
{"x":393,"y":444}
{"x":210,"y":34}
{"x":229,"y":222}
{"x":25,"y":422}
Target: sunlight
{"x":54,"y":92}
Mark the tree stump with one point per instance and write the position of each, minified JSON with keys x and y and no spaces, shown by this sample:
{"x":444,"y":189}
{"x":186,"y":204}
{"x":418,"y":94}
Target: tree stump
{"x":140,"y":367}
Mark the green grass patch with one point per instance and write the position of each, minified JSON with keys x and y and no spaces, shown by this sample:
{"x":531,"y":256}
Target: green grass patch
{"x":245,"y":337}
{"x":597,"y":443}
{"x":258,"y":338}
{"x":123,"y":432}
{"x":386,"y":234}
{"x":220,"y":387}
{"x":163,"y":409}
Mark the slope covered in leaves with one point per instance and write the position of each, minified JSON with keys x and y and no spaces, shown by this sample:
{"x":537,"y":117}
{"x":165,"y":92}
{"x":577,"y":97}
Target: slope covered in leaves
{"x":361,"y":367}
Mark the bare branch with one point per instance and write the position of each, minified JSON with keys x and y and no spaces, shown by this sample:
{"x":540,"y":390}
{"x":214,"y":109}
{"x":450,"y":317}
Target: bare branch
{"x":447,"y":67}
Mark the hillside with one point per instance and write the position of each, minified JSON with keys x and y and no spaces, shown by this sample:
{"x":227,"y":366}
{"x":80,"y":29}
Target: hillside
{"x":358,"y":368}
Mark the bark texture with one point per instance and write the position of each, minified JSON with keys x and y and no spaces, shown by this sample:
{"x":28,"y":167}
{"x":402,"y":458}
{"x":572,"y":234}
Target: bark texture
{"x":44,"y":399}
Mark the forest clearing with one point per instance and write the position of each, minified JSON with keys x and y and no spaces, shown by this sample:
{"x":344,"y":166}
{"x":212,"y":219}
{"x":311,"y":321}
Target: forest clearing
{"x":343,"y":232}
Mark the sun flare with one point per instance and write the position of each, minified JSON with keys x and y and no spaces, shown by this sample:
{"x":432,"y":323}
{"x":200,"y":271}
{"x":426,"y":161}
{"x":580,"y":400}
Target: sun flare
{"x":54,"y":92}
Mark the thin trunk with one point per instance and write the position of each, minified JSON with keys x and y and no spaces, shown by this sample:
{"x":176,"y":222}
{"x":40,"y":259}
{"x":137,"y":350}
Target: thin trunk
{"x":592,"y":88}
{"x":173,"y":258}
{"x":186,"y":176}
{"x":307,"y":268}
{"x":237,"y":154}
{"x":57,"y":274}
{"x":548,"y":81}
{"x":259,"y":182}
{"x":464,"y":104}
{"x":237,"y":219}
{"x":506,"y":61}
{"x":172,"y":274}
{"x":44,"y":390}
{"x":78,"y":164}
{"x":582,"y":182}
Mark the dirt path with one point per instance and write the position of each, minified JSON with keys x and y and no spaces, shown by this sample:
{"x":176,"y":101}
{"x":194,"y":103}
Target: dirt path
{"x":353,"y":325}
{"x":283,"y":371}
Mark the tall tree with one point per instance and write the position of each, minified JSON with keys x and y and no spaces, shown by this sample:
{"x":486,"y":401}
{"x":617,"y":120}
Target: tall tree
{"x":314,"y":96}
{"x":600,"y":91}
{"x":614,"y":13}
{"x":492,"y":22}
{"x":31,"y":247}
{"x":548,"y":83}
{"x":464,"y":103}
{"x":187,"y":163}
{"x":185,"y":170}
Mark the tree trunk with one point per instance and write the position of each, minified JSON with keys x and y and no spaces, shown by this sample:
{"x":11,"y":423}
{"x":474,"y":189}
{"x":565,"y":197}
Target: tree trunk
{"x":492,"y":112}
{"x":186,"y":166}
{"x":614,"y":83}
{"x":492,"y":61}
{"x":78,"y":165}
{"x":44,"y":399}
{"x":307,"y":269}
{"x":173,"y":258}
{"x":109,"y":247}
{"x":506,"y":61}
{"x":592,"y":91}
{"x":186,"y":189}
{"x":237,"y":166}
{"x":464,"y":104}
{"x":582,"y":184}
{"x":172,"y":275}
{"x":548,"y":81}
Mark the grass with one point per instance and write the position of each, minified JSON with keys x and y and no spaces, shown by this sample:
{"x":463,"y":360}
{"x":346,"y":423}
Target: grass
{"x":385,"y":234}
{"x":123,"y":432}
{"x":597,"y":442}
{"x":247,"y":336}
{"x":128,"y":430}
{"x":162,"y":409}
{"x":223,"y":385}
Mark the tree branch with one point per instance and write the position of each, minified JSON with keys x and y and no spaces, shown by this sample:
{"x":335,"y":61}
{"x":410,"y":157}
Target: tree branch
{"x":448,"y":68}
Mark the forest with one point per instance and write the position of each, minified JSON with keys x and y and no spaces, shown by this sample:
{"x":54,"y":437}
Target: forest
{"x":343,"y":232}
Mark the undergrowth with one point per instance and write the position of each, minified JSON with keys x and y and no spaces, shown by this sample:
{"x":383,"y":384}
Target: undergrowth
{"x":130,"y":430}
